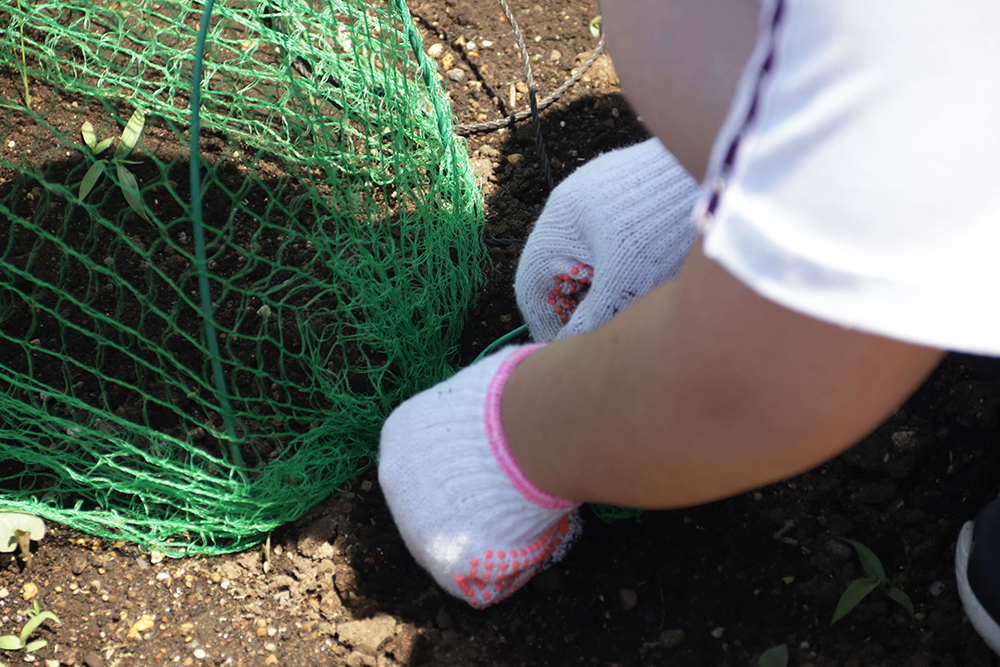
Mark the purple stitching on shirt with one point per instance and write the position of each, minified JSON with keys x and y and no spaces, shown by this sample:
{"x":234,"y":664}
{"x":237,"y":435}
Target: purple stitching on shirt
{"x":765,"y":69}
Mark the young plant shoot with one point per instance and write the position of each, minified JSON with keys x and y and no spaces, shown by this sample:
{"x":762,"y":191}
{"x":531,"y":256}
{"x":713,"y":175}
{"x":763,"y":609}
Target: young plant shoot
{"x":126,"y":179}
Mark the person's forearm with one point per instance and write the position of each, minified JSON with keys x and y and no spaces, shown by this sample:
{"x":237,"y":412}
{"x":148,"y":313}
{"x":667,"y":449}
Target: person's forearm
{"x":679,"y":63}
{"x":699,"y":391}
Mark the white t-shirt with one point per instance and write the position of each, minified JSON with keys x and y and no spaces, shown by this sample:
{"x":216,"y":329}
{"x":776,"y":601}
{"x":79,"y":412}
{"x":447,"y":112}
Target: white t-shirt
{"x":857,"y":177}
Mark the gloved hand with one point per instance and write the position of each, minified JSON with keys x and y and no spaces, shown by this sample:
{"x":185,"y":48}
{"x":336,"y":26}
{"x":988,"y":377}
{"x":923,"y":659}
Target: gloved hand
{"x":614,"y":229}
{"x":464,"y":508}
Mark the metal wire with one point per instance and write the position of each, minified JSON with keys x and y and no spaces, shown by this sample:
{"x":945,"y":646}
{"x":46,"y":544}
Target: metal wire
{"x":490,"y":126}
{"x":532,"y":112}
{"x":526,"y":63}
{"x":198,"y":229}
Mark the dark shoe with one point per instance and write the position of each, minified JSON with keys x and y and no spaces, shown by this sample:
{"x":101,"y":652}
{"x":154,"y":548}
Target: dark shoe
{"x":977,"y":568}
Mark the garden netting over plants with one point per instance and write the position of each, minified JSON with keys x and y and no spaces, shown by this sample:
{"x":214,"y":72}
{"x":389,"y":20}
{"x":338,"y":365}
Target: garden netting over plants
{"x":343,"y":247}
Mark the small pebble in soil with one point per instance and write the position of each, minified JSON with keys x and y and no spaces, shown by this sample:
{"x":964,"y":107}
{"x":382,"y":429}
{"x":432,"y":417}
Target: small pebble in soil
{"x":937,"y":588}
{"x":838,"y":549}
{"x":718,"y":632}
{"x":435,"y":50}
{"x":671,"y":638}
{"x":78,"y":565}
{"x":456,"y":74}
{"x":668,"y":639}
{"x":29,"y":591}
{"x":905,"y":440}
{"x":156,"y":557}
{"x":144,"y":623}
{"x":628,"y":599}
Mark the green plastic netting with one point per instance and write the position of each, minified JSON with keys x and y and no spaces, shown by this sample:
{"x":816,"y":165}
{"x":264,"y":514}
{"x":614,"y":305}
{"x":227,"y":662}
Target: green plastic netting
{"x":343,"y":231}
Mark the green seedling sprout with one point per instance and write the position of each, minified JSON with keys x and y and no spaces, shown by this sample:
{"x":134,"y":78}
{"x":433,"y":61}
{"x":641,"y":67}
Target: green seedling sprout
{"x":776,"y":656}
{"x":24,"y":64}
{"x":127,"y":180}
{"x":859,"y":589}
{"x":595,"y":27}
{"x":35,"y":618}
{"x":781,"y":537}
{"x":17,"y":529}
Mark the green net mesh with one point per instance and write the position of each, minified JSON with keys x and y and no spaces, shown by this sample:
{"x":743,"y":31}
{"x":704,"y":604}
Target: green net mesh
{"x":342,"y":226}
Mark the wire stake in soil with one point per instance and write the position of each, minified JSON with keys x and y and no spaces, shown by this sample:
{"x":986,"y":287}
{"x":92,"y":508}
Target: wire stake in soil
{"x":533,"y":101}
{"x":201,"y":263}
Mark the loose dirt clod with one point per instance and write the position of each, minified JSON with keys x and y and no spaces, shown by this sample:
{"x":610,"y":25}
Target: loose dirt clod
{"x":367,"y":635}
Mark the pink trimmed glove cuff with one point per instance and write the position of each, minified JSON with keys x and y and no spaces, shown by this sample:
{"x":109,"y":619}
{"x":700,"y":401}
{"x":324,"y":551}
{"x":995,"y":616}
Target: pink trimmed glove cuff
{"x":466,"y":511}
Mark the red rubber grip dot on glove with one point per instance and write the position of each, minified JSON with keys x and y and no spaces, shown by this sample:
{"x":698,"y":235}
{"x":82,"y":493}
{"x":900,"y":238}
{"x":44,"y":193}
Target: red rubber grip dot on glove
{"x":510,"y":569}
{"x":568,"y":290}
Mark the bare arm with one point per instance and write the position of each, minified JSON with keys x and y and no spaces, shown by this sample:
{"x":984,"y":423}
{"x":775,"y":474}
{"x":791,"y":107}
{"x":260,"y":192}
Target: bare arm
{"x":702,"y":389}
{"x":699,"y":391}
{"x":679,"y":62}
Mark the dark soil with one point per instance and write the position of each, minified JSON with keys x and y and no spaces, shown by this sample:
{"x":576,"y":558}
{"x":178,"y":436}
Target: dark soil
{"x":713,"y":585}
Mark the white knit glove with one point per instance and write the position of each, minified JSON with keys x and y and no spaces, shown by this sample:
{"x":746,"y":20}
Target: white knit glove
{"x":466,"y":511}
{"x":613,"y":230}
